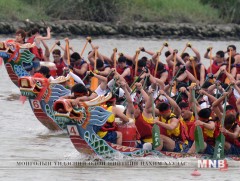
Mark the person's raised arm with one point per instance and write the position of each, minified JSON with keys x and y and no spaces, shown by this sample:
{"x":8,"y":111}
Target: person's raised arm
{"x":48,"y":37}
{"x":46,"y":52}
{"x":146,"y":51}
{"x":195,"y":51}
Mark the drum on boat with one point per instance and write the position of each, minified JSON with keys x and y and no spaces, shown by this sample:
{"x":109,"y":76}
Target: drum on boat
{"x":129,"y":134}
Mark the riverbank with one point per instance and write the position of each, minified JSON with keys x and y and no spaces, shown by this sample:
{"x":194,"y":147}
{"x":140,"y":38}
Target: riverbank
{"x":73,"y":28}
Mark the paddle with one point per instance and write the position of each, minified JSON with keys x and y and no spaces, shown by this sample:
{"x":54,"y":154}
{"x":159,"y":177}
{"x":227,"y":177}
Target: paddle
{"x":220,"y":140}
{"x":174,"y":78}
{"x":158,"y":58}
{"x":198,"y":134}
{"x":193,"y":66}
{"x":187,"y":45}
{"x":94,"y":80}
{"x":136,"y":60}
{"x":115,"y":58}
{"x":155,"y":128}
{"x":71,"y":83}
{"x":137,"y":78}
{"x":210,"y":60}
{"x":227,"y":81}
{"x":88,"y":40}
{"x":174,"y":70}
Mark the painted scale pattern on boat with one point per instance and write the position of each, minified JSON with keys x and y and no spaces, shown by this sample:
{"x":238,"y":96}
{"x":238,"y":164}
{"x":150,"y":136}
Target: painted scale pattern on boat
{"x":15,"y":65}
{"x":44,"y":110}
{"x":98,"y":116}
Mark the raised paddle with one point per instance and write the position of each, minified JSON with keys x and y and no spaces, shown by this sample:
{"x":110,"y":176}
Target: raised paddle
{"x":115,"y":58}
{"x":94,"y":80}
{"x":220,"y":140}
{"x":187,"y":45}
{"x":174,"y":71}
{"x":136,"y":61}
{"x":210,"y":54}
{"x":155,"y":128}
{"x":71,"y":81}
{"x":158,"y":58}
{"x":88,"y":40}
{"x":193,"y":66}
{"x":227,"y":81}
{"x":138,"y":78}
{"x":198,"y":134}
{"x":173,"y":80}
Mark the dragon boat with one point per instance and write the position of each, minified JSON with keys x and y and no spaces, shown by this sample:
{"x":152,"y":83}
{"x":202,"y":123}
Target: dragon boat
{"x":82,"y":122}
{"x":40,"y":93}
{"x":16,"y":58}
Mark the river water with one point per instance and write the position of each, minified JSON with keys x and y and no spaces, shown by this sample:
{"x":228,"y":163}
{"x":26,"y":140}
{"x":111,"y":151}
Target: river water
{"x":24,"y":139}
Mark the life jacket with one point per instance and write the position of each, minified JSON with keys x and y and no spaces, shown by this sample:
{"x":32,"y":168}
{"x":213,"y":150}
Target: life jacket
{"x":151,"y":69}
{"x":198,"y":71}
{"x":110,"y":125}
{"x":128,"y":78}
{"x":189,"y":127}
{"x":186,"y":80}
{"x":235,"y":141}
{"x":222,"y":77}
{"x":38,"y":52}
{"x":159,"y":73}
{"x":232,"y":101}
{"x":60,"y":67}
{"x":217,"y":129}
{"x":208,"y":135}
{"x":79,"y":67}
{"x":179,"y":133}
{"x":215,"y":68}
{"x":237,"y":68}
{"x":144,"y":128}
{"x":170,"y":72}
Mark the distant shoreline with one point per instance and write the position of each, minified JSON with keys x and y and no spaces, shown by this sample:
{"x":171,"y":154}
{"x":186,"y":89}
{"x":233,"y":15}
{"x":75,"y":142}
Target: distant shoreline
{"x":159,"y":30}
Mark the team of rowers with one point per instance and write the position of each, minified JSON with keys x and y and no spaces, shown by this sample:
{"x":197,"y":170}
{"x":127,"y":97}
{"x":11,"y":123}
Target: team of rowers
{"x":153,"y":92}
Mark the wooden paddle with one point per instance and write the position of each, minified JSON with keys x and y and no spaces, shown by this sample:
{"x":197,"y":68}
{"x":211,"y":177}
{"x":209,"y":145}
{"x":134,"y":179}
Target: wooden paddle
{"x":158,"y":59}
{"x":115,"y":58}
{"x":227,"y":81}
{"x":198,"y":134}
{"x":174,"y":90}
{"x":220,"y":140}
{"x":155,"y":128}
{"x":137,"y":78}
{"x":173,"y":80}
{"x":210,"y":54}
{"x":136,"y":62}
{"x":94,"y":80}
{"x":193,"y":66}
{"x":185,"y":48}
{"x":88,"y":39}
{"x":71,"y":81}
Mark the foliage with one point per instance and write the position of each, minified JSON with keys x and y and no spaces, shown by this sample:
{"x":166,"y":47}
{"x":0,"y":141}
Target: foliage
{"x":114,"y":10}
{"x":229,"y":9}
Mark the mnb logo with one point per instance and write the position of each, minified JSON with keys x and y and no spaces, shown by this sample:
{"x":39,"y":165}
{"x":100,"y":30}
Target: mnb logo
{"x":212,"y":164}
